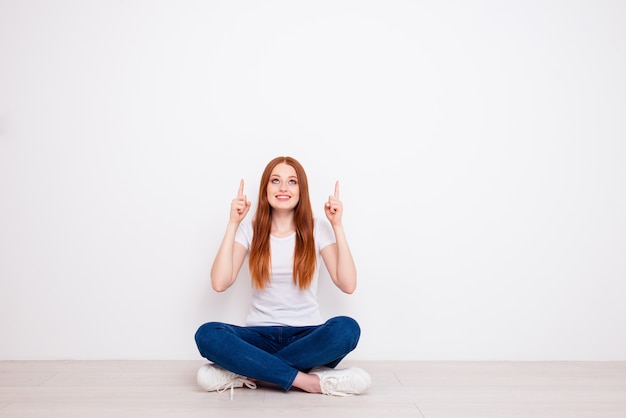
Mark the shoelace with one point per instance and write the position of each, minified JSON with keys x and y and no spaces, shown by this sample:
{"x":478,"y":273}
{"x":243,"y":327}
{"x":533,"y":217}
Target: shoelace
{"x":333,"y":385}
{"x":231,"y":385}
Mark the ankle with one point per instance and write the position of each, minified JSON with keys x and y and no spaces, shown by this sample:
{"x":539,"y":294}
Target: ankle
{"x":307,"y":382}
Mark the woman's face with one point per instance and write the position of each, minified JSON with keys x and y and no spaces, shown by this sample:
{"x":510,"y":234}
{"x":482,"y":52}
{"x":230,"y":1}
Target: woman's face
{"x":283,"y":190}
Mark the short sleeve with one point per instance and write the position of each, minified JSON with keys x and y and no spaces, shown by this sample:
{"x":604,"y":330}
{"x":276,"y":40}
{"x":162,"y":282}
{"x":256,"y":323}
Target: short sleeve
{"x":324,"y":234}
{"x":244,"y":233}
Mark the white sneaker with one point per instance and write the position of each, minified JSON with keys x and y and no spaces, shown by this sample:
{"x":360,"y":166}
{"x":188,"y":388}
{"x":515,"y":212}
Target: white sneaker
{"x":343,"y":382}
{"x":212,"y":377}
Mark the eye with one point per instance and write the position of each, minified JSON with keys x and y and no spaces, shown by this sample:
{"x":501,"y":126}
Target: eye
{"x":274,"y":181}
{"x":293,"y":181}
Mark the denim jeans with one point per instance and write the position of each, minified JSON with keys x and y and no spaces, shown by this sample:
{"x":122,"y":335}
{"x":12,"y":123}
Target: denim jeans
{"x":275,"y":354}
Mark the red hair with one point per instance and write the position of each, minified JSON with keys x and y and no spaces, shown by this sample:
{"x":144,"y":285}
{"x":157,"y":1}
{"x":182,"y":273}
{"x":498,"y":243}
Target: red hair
{"x":304,"y":257}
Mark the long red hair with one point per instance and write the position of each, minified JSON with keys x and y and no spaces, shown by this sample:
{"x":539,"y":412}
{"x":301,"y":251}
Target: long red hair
{"x":304,"y":257}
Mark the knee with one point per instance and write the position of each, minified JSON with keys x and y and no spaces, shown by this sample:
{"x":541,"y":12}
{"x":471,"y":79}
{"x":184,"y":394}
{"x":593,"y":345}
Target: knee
{"x":348,"y":327}
{"x":206,"y":333}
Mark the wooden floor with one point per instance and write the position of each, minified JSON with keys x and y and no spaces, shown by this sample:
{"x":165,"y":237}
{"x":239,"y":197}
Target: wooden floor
{"x":92,"y":389}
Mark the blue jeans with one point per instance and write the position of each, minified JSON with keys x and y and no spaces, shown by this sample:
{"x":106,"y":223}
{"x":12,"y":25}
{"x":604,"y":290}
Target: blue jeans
{"x":275,"y":354}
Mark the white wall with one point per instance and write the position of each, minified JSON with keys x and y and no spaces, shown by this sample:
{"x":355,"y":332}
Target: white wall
{"x":480,"y":146}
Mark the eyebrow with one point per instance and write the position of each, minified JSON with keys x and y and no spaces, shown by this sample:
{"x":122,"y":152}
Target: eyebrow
{"x":290,"y":177}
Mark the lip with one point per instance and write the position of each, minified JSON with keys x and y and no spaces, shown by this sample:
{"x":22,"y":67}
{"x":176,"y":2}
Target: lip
{"x":282,"y":197}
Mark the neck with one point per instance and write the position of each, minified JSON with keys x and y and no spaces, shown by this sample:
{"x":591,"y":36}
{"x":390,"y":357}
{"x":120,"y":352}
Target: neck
{"x":282,"y":224}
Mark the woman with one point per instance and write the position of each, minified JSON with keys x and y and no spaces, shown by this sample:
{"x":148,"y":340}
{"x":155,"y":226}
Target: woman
{"x":284,"y":342}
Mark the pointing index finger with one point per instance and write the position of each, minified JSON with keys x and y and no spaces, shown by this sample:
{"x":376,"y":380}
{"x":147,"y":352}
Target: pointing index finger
{"x":240,"y":192}
{"x":336,"y":195}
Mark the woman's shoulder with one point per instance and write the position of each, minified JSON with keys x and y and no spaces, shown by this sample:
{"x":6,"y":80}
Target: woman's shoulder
{"x":245,"y":229}
{"x":320,"y":222}
{"x":324,"y":231}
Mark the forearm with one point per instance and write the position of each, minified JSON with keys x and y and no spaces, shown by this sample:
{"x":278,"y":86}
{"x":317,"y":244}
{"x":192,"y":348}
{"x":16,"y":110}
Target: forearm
{"x":222,"y":271}
{"x":346,"y":269}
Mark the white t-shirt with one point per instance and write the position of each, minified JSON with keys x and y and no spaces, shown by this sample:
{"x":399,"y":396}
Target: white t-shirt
{"x":282,"y":302}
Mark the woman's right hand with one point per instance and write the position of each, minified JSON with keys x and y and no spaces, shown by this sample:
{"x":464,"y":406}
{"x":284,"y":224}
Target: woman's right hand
{"x":240,"y":206}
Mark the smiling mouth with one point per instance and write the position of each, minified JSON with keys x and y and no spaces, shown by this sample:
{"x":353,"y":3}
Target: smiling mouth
{"x":283,"y":197}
